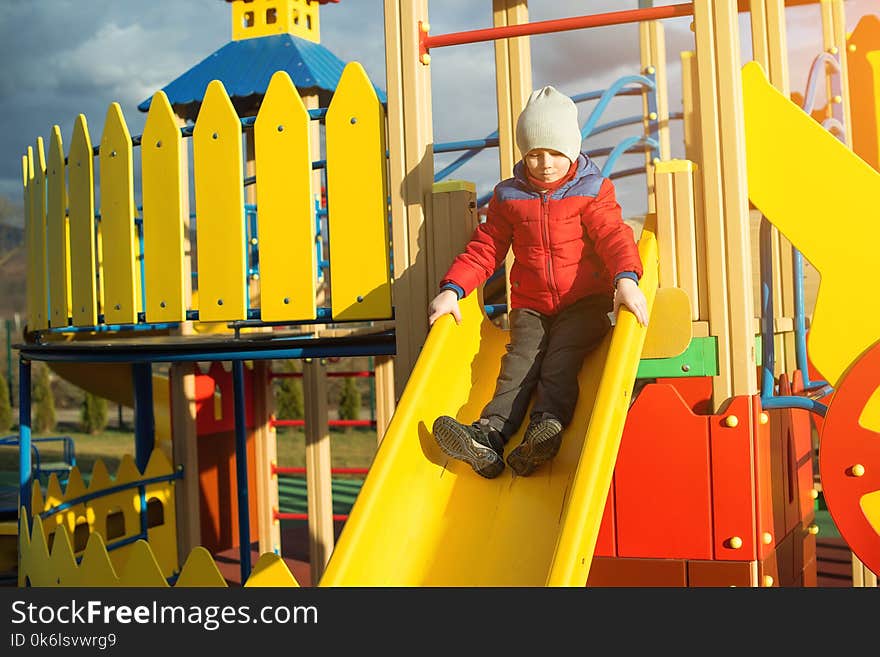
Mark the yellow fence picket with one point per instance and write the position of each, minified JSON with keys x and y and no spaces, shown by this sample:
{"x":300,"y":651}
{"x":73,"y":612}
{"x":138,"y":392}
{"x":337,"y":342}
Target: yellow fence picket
{"x":57,"y":232}
{"x":357,"y":200}
{"x":217,"y":160}
{"x":38,"y":214}
{"x":117,"y":221}
{"x":164,"y":207}
{"x":285,"y":205}
{"x":27,"y":175}
{"x":81,"y":201}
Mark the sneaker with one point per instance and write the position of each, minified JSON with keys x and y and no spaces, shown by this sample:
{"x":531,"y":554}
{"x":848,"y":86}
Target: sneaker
{"x":481,"y":449}
{"x":539,"y":444}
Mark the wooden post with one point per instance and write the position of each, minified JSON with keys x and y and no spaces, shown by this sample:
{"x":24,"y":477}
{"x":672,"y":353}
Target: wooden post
{"x":318,"y":475}
{"x":652,"y":47}
{"x":185,"y":452}
{"x":384,"y":369}
{"x":731,"y":305}
{"x":769,"y":45}
{"x":411,"y":167}
{"x":694,"y":153}
{"x":266,"y":456}
{"x":513,"y":85}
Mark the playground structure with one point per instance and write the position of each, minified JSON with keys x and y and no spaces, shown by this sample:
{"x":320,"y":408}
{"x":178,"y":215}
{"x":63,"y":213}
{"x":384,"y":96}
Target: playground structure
{"x":705,"y":477}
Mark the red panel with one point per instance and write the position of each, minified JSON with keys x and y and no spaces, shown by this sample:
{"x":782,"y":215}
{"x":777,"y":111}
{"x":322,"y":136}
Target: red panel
{"x":695,"y":390}
{"x":605,"y":541}
{"x":719,"y":573}
{"x":846,"y":444}
{"x":780,"y":421}
{"x":218,"y":499}
{"x":733,"y":486}
{"x":218,"y":379}
{"x":663,"y":496}
{"x":763,"y":479}
{"x":638,"y":572}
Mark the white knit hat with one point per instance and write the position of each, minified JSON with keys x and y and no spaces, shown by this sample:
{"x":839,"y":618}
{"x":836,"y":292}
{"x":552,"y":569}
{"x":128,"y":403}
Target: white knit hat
{"x":549,"y":120}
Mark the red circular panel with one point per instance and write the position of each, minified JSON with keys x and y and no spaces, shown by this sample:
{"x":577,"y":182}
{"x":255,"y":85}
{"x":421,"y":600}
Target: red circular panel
{"x":845,"y":444}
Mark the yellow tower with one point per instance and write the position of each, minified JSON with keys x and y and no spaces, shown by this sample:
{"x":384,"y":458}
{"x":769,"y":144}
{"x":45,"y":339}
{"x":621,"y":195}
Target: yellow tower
{"x":259,"y":18}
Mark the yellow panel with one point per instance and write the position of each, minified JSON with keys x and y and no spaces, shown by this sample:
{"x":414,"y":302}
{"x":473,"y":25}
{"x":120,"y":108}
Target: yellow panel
{"x":163,"y":196}
{"x":863,"y":60}
{"x":782,"y":144}
{"x":357,"y":200}
{"x":140,"y":569}
{"x":270,"y":570}
{"x":38,"y":213}
{"x":80,"y":162}
{"x":56,"y":232}
{"x":200,"y":571}
{"x":217,"y":161}
{"x":870,"y":506}
{"x":422,"y":519}
{"x":121,"y":298}
{"x":669,"y":328}
{"x":285,"y":206}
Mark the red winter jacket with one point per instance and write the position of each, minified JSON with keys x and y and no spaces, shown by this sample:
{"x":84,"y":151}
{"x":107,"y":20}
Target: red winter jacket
{"x":567,"y":244}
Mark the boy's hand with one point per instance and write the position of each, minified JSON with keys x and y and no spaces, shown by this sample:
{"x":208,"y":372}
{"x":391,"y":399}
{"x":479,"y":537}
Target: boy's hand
{"x":443,"y":303}
{"x":630,"y":295}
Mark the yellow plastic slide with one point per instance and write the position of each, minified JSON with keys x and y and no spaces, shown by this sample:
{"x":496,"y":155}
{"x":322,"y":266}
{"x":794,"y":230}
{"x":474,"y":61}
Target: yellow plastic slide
{"x":422,"y":519}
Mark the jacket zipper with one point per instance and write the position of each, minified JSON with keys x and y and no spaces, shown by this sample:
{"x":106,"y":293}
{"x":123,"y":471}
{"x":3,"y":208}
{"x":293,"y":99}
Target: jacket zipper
{"x":545,"y":222}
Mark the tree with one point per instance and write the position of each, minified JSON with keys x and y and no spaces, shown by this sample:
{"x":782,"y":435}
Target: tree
{"x":43,"y":399}
{"x":93,"y":413}
{"x":5,"y":407}
{"x":289,"y":395}
{"x":349,"y":400}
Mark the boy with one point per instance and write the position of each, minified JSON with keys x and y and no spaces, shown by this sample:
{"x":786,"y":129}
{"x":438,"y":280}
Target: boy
{"x":574,"y":261}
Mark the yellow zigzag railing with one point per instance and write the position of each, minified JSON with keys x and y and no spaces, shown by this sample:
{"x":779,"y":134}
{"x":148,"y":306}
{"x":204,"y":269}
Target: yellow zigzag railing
{"x":49,"y":556}
{"x":71,"y":280}
{"x":114,"y":514}
{"x":58,"y":567}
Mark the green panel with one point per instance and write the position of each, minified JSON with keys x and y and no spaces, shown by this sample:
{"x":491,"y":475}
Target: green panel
{"x":699,"y":359}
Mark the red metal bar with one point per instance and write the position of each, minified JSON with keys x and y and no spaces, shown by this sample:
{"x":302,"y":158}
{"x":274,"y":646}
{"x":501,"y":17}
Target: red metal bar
{"x":278,"y":515}
{"x":427,"y":42}
{"x":555,"y":25}
{"x":291,"y":470}
{"x":332,"y":423}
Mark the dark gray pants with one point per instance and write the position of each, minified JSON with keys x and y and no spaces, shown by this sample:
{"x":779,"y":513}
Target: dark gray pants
{"x":544,"y":356}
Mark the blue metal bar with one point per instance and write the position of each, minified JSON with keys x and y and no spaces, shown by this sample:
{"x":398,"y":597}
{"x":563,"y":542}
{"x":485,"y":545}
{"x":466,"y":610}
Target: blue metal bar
{"x":607,"y":95}
{"x":467,"y":144}
{"x":619,"y":123}
{"x":623,"y":173}
{"x":462,"y":159}
{"x":25,"y":475}
{"x":622,"y":148}
{"x":144,"y":423}
{"x":788,"y":401}
{"x":88,"y":497}
{"x":813,"y":78}
{"x":768,"y":351}
{"x":241,"y":473}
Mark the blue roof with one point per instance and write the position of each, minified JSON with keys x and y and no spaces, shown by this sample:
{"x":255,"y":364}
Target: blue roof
{"x":245,"y":68}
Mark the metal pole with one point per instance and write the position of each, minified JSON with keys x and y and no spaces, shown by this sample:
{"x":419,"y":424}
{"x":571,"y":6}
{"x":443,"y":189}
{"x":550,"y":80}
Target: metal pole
{"x":24,"y":435}
{"x":241,"y":470}
{"x":144,"y":423}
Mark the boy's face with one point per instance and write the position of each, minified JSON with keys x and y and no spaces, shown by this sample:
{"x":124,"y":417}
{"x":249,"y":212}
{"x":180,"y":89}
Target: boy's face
{"x":546,"y":165}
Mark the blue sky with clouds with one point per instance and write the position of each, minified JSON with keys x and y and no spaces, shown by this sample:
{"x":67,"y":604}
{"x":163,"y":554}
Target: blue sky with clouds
{"x":65,"y":57}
